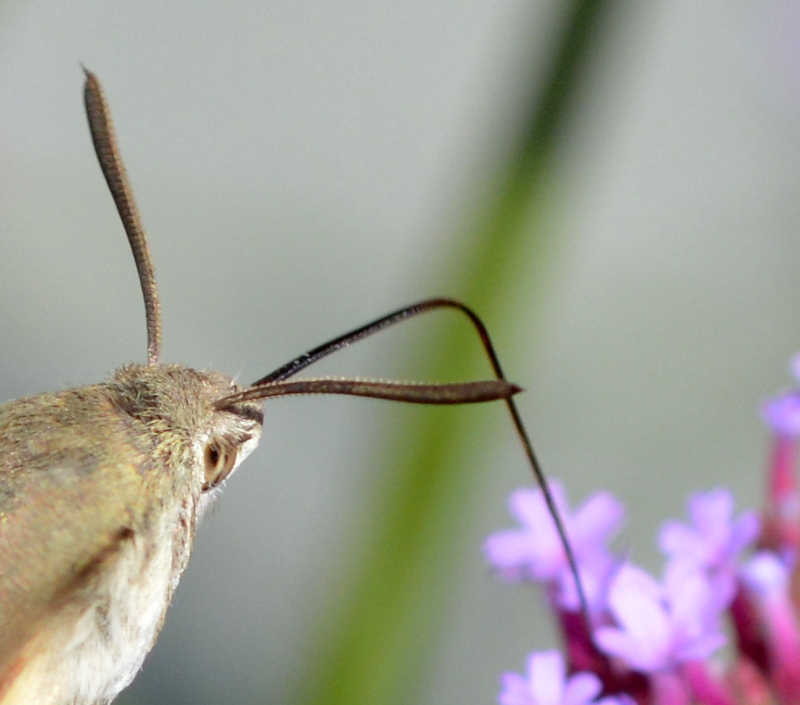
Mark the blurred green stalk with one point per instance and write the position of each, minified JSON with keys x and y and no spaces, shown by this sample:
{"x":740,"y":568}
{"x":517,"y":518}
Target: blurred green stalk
{"x":384,"y":637}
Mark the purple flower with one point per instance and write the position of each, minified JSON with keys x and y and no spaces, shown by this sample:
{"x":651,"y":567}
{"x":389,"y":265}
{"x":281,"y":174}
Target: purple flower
{"x":782,"y":414}
{"x":768,"y":579}
{"x":714,"y":538}
{"x":534,"y":551}
{"x":767,"y":576}
{"x":655,"y":643}
{"x":547,"y":684}
{"x":662,"y":626}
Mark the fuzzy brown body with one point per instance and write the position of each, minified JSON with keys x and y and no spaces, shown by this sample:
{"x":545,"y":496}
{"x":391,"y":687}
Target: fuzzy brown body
{"x":100,"y":491}
{"x":101,"y":487}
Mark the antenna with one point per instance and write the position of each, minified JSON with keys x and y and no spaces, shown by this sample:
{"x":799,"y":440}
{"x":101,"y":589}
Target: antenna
{"x":274,"y":384}
{"x":105,"y":147}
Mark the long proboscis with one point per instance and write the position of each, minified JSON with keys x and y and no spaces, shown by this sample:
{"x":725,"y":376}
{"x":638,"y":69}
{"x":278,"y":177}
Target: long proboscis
{"x":274,"y":384}
{"x":414,"y":393}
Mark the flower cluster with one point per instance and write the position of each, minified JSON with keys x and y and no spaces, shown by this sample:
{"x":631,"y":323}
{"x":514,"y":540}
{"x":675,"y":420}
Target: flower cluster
{"x":728,"y":581}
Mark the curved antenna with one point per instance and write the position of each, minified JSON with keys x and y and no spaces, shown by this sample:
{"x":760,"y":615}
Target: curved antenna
{"x":273,"y":385}
{"x":316,"y":354}
{"x":105,"y":147}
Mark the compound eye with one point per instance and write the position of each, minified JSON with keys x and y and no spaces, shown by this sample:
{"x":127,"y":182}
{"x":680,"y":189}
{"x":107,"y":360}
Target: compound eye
{"x":219,"y":460}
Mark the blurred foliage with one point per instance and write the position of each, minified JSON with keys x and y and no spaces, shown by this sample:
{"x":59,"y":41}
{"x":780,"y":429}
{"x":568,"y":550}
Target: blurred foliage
{"x":382,"y":633}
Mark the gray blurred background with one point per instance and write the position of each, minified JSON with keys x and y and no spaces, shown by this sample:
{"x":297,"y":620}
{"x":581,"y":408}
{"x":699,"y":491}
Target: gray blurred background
{"x":305,"y":166}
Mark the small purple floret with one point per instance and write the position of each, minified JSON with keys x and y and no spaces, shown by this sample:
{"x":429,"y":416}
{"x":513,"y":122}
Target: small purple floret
{"x":546,"y":683}
{"x":535,"y":552}
{"x":782,"y":414}
{"x":660,"y":626}
{"x":714,"y":538}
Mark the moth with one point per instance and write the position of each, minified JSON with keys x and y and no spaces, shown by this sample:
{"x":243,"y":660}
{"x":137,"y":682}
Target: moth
{"x":102,"y":486}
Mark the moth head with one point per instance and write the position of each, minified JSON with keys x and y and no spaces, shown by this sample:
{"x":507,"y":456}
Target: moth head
{"x":194,"y":441}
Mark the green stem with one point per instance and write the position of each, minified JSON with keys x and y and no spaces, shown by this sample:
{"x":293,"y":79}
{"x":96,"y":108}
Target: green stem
{"x":380,"y":648}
